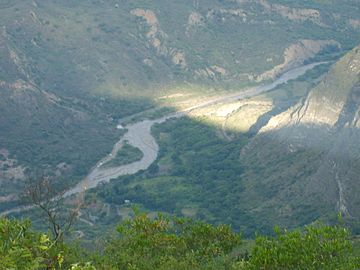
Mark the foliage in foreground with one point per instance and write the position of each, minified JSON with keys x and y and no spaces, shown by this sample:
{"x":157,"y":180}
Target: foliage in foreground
{"x":173,"y":243}
{"x":317,"y":247}
{"x":170,"y":244}
{"x":22,"y":248}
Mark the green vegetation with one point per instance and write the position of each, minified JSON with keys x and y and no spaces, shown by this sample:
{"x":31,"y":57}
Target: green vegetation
{"x":178,"y":244}
{"x":62,"y":139}
{"x":127,"y":154}
{"x":197,"y":173}
{"x":165,"y":243}
{"x":86,"y":65}
{"x":318,"y":247}
{"x":22,"y":248}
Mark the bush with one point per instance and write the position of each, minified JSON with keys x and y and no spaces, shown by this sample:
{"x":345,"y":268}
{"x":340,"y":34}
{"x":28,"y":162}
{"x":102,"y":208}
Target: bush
{"x":175,"y":243}
{"x":318,"y":247}
{"x":165,"y":243}
{"x":21,"y":248}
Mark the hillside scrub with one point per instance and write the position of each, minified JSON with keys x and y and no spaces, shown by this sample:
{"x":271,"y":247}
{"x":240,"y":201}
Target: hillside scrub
{"x":177,"y":243}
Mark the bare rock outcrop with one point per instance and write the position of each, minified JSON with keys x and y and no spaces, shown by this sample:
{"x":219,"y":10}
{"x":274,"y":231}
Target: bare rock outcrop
{"x":325,"y":103}
{"x":354,"y":23}
{"x":195,"y":19}
{"x":240,"y":13}
{"x":294,"y":14}
{"x":157,"y":38}
{"x":214,"y":73}
{"x":296,"y":54}
{"x":10,"y":171}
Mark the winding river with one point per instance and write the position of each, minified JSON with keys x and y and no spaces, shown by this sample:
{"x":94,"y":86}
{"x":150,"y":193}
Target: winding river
{"x":139,"y":135}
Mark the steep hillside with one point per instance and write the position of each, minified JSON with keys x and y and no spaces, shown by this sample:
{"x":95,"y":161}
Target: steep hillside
{"x":306,"y":161}
{"x":148,"y":47}
{"x":42,"y":133}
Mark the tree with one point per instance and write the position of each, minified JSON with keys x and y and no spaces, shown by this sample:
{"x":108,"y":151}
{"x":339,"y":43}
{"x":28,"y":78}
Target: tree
{"x":43,"y":195}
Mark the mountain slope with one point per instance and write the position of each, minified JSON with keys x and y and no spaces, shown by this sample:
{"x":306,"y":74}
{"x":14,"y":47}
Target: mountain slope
{"x":309,"y":155}
{"x":148,"y":47}
{"x":42,"y":133}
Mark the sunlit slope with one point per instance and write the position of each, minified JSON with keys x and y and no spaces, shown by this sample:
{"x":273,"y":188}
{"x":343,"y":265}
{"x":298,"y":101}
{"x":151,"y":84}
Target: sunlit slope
{"x":305,"y":162}
{"x":148,"y":47}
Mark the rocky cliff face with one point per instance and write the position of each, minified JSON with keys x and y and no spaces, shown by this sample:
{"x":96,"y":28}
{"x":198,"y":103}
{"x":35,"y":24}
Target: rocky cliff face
{"x":311,"y":152}
{"x":328,"y":103}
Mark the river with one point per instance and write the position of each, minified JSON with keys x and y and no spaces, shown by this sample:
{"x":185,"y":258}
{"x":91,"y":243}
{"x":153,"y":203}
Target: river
{"x":139,"y":135}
